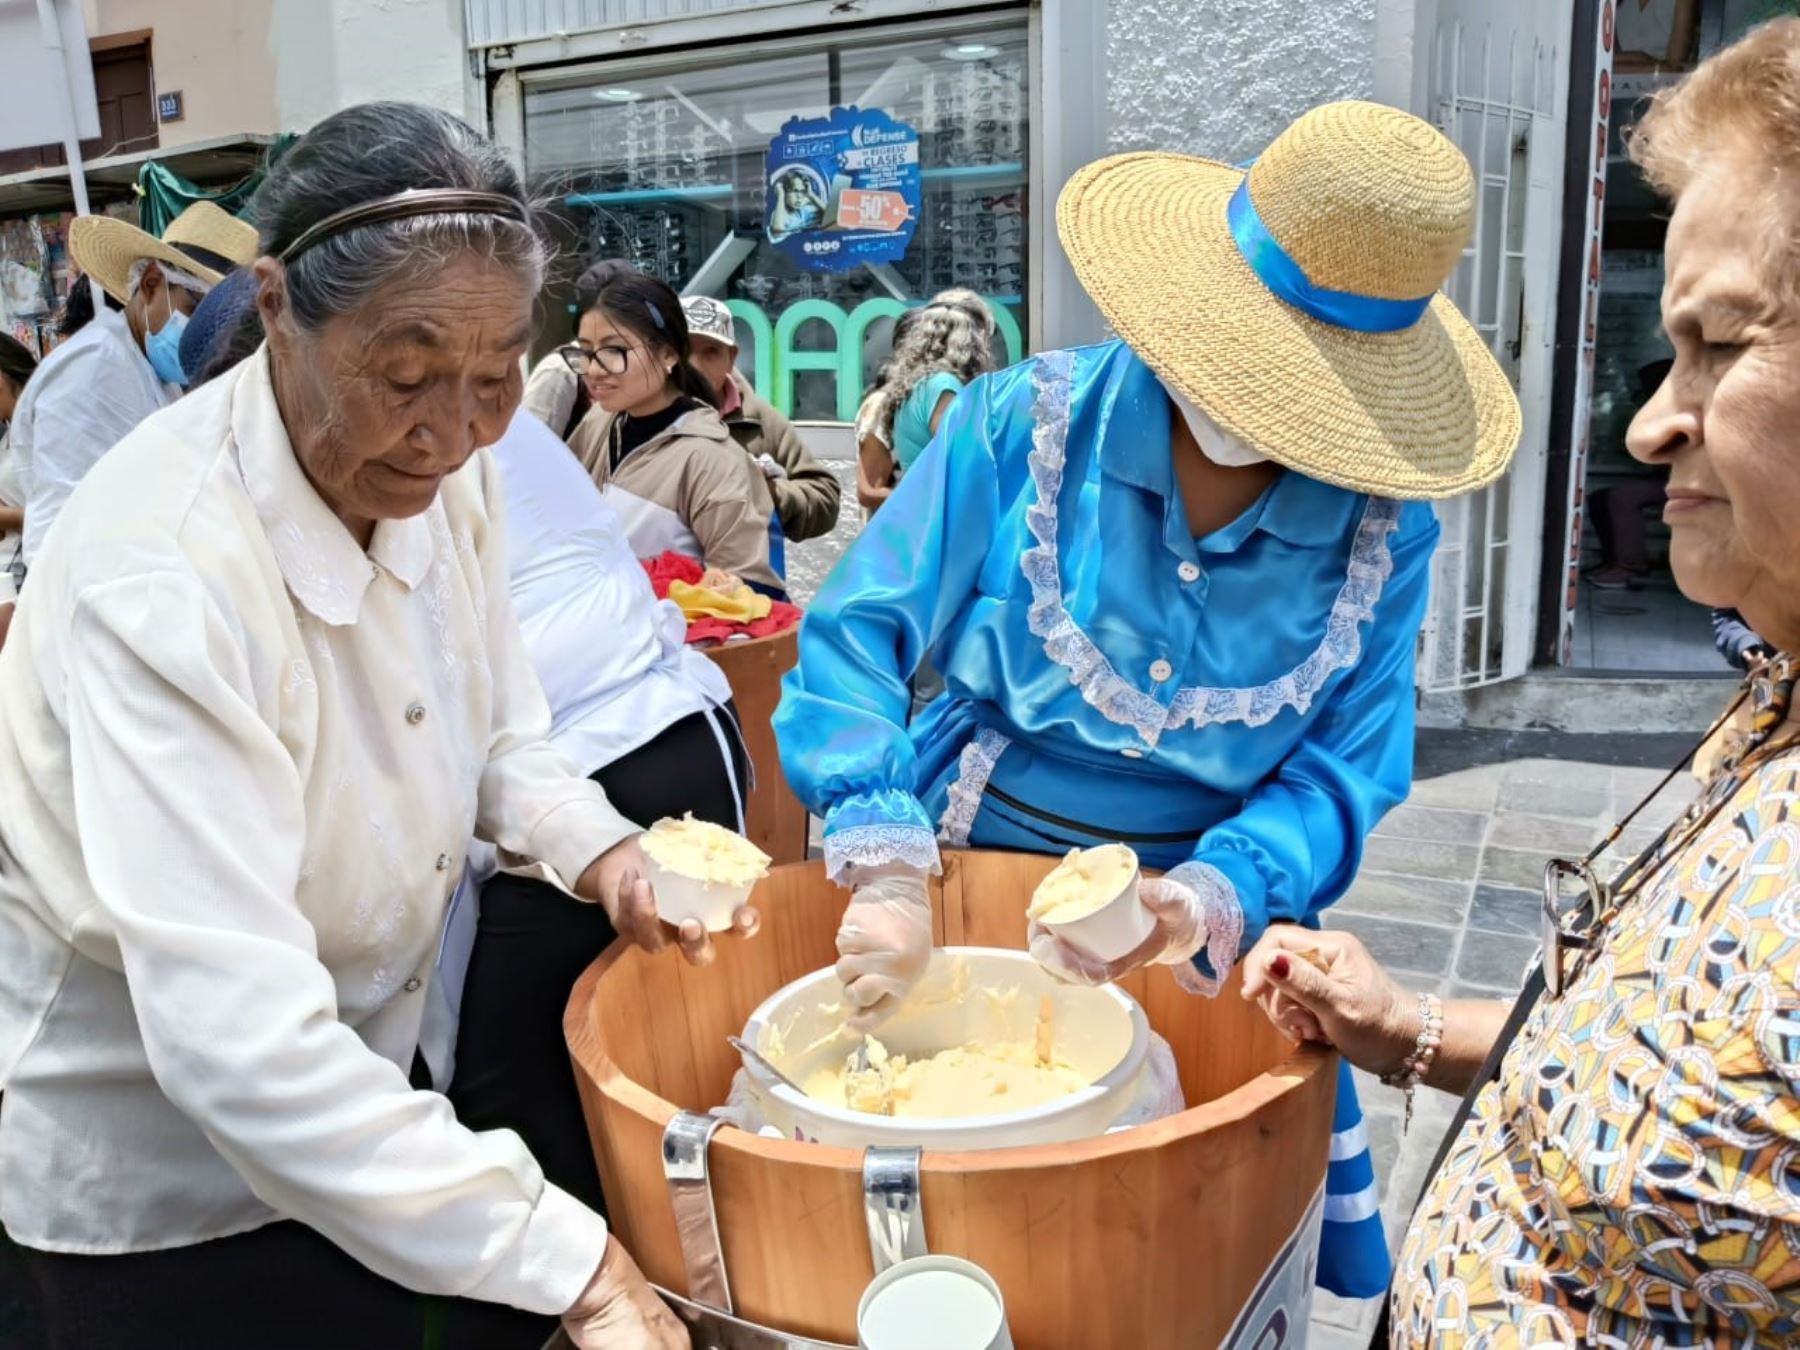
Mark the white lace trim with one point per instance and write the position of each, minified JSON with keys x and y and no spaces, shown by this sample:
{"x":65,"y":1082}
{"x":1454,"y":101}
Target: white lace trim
{"x":973,"y":770}
{"x":1117,"y":700}
{"x":1222,"y":923}
{"x":877,"y":845}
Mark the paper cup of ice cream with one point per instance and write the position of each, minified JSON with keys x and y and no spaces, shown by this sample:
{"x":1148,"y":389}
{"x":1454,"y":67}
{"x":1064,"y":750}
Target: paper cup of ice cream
{"x":933,"y":1303}
{"x":1091,"y":901}
{"x":699,"y":870}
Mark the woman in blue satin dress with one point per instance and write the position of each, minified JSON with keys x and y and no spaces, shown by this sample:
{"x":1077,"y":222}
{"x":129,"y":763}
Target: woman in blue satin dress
{"x":1170,"y":580}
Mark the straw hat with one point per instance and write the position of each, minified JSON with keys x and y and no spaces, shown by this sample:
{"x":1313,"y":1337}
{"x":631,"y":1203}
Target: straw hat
{"x":203,"y":241}
{"x":1298,"y":306}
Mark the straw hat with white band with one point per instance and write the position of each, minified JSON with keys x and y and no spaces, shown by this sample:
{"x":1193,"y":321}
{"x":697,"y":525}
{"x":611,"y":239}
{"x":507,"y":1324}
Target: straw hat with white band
{"x":1297,"y":304}
{"x":203,"y":241}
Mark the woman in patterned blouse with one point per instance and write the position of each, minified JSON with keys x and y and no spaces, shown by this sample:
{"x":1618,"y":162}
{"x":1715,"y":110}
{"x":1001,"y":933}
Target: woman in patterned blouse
{"x":1632,"y":1175}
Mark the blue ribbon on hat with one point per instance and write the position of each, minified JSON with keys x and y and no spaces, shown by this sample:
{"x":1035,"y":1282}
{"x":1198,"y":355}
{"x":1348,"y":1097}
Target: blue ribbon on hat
{"x":1288,"y":280}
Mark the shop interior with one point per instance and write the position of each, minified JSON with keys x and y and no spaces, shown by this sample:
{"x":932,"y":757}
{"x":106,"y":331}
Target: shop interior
{"x":663,"y":162}
{"x":1631,"y":615}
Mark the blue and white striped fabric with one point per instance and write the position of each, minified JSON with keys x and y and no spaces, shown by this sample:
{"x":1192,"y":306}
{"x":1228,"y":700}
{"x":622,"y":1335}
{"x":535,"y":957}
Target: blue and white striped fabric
{"x":1353,"y":1250}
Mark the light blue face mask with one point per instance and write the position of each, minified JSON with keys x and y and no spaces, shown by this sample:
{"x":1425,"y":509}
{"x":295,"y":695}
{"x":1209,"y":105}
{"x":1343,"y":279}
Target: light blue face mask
{"x":163,"y":347}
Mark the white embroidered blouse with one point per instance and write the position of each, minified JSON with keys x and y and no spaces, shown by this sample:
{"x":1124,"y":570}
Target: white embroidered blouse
{"x":240,"y":759}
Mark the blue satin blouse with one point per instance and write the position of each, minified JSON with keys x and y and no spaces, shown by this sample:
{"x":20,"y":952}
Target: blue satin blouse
{"x":1240,"y":704}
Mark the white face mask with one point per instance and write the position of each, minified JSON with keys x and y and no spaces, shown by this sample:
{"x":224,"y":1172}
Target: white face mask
{"x":1216,"y":443}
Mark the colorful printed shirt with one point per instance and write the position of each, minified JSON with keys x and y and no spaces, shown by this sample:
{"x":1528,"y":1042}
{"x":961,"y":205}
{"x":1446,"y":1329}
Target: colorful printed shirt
{"x":1632,"y":1178}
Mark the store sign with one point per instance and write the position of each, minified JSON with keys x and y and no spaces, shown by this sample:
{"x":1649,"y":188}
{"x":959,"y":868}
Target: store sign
{"x":1281,"y":1305}
{"x":843,"y":190}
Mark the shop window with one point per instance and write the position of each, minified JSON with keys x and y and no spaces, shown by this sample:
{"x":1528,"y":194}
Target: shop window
{"x":669,"y":165}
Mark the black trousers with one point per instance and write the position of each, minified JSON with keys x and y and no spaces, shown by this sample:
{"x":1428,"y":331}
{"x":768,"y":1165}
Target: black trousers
{"x":531,"y":944}
{"x":282,"y":1287}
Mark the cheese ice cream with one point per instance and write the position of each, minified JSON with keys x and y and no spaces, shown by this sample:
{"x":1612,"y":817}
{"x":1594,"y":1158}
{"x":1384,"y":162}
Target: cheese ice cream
{"x":700,"y":850}
{"x":1086,"y":881}
{"x":698,"y":870}
{"x":976,"y":1079}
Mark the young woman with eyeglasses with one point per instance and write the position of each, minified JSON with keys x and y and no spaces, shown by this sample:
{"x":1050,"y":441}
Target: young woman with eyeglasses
{"x":654,"y":441}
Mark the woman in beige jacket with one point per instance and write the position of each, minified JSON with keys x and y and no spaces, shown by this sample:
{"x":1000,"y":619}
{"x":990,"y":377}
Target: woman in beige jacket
{"x":654,"y":441}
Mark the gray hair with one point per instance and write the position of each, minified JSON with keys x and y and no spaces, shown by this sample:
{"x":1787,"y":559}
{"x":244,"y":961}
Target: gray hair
{"x":371,"y":151}
{"x":953,"y":333}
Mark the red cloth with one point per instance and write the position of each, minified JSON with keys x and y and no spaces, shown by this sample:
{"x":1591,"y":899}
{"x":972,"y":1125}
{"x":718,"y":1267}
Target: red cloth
{"x":671,"y":566}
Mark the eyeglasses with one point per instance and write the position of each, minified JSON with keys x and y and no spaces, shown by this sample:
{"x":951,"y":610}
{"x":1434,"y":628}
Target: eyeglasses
{"x":1574,"y":899}
{"x":611,"y":360}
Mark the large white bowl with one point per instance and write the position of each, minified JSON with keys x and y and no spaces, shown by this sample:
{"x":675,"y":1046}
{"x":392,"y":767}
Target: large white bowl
{"x":1101,"y":1033}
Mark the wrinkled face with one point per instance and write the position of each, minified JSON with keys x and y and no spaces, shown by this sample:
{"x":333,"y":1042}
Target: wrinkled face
{"x":383,"y":404}
{"x":1724,"y":421}
{"x":624,"y":373}
{"x":713,"y":359}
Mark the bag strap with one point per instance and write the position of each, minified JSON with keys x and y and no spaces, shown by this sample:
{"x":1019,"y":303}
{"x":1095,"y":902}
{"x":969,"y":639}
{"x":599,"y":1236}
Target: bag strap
{"x":1489,"y":1071}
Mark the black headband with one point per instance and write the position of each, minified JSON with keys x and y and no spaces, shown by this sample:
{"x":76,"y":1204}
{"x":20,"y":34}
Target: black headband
{"x":401,"y":206}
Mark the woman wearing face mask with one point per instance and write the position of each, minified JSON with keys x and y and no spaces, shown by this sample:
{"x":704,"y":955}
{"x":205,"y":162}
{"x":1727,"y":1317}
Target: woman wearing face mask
{"x":124,"y":364}
{"x":654,"y":441}
{"x":1171,"y":580}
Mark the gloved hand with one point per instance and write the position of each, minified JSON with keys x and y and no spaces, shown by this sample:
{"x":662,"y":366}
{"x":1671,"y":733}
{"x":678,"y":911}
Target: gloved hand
{"x":1183,"y":927}
{"x":620,"y":1311}
{"x":770,"y":466}
{"x":883,"y":942}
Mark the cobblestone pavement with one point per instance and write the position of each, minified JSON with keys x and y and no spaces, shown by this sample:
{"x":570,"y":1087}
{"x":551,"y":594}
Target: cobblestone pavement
{"x":1448,"y":900}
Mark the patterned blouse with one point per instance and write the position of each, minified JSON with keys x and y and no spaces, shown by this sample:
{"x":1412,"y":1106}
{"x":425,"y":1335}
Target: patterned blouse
{"x":1632,"y":1178}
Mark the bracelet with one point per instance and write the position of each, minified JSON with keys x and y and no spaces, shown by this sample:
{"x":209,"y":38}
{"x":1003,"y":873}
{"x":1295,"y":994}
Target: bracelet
{"x":1416,"y":1065}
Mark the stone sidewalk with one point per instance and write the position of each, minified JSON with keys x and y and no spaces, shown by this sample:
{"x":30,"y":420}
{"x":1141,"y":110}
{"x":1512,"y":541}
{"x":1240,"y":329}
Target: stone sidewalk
{"x":1448,"y":900}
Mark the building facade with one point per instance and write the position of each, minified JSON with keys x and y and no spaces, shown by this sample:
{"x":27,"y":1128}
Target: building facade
{"x":681,"y":134}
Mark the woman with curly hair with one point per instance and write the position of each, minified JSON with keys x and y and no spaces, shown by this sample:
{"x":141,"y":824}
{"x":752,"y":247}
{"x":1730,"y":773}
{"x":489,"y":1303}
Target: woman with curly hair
{"x":937,"y":350}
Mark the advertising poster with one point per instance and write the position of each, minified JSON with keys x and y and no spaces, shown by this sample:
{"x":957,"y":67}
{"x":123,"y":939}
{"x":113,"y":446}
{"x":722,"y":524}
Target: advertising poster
{"x":843,"y":189}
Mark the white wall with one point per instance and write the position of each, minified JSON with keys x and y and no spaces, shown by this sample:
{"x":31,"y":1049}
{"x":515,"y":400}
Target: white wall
{"x":1222,"y":78}
{"x":333,"y":53}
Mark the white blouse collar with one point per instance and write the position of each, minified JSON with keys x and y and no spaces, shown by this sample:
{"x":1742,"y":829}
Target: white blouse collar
{"x":326,"y":570}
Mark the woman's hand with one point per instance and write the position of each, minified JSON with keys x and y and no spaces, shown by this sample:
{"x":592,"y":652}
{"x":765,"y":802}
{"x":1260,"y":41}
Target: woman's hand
{"x":620,"y":1311}
{"x":615,"y":881}
{"x":884,"y":942}
{"x":1326,"y":987}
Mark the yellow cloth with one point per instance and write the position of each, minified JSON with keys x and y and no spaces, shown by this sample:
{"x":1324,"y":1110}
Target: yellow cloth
{"x":742,"y":605}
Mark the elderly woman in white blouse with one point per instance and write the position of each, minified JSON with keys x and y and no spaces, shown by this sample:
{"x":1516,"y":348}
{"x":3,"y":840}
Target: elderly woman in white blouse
{"x":265,"y":685}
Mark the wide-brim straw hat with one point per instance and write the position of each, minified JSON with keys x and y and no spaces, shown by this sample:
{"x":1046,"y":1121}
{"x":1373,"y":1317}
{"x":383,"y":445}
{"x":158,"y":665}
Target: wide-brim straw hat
{"x":204,"y":241}
{"x":1305,"y":317}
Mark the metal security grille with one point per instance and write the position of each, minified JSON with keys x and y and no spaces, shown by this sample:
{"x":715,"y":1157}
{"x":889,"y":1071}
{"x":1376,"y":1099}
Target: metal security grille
{"x":1498,"y":87}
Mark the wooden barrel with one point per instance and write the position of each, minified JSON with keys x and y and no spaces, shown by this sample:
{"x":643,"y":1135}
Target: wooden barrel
{"x":1157,"y":1237}
{"x":774,"y":819}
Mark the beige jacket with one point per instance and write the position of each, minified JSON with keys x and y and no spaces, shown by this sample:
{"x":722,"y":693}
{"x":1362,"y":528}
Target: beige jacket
{"x":689,"y":488}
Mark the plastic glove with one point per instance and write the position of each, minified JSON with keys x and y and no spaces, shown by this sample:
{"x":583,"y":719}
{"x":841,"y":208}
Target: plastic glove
{"x":620,"y":1311}
{"x":883,"y":942}
{"x":770,"y":466}
{"x":1182,"y":929}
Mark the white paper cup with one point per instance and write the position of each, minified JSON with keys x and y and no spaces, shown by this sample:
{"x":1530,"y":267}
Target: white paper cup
{"x":933,"y":1303}
{"x":680,"y":897}
{"x":1114,"y":930}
